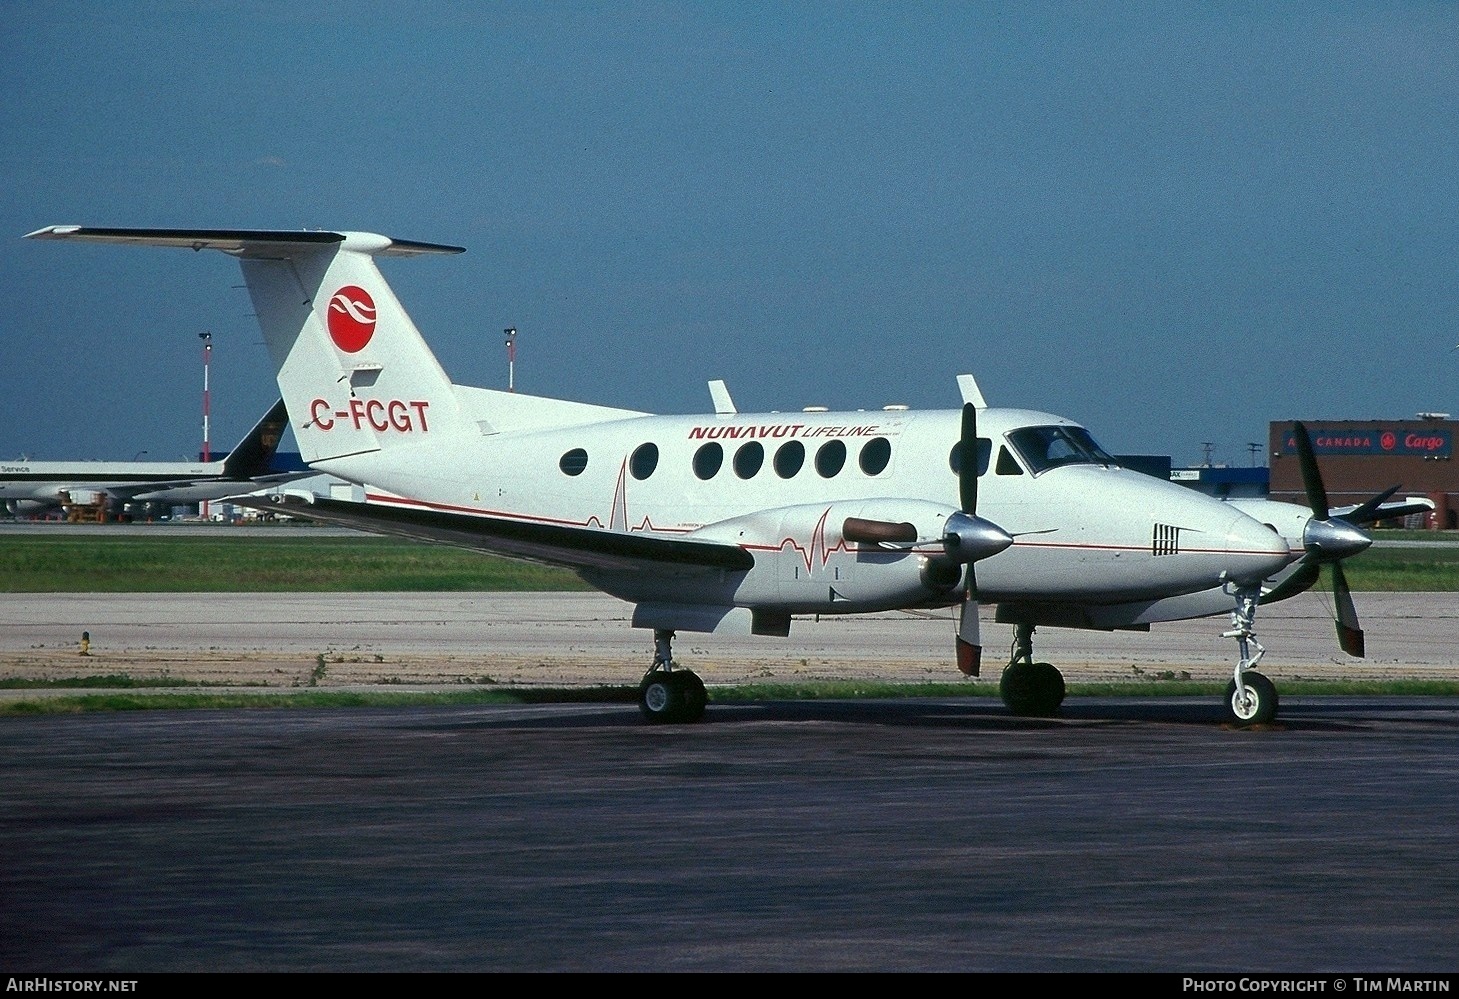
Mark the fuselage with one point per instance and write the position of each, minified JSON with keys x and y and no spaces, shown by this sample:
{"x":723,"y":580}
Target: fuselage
{"x":782,"y":485}
{"x":35,"y":485}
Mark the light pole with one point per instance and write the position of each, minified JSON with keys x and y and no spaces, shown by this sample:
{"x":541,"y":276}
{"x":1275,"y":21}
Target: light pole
{"x":207,"y":339}
{"x":511,"y":334}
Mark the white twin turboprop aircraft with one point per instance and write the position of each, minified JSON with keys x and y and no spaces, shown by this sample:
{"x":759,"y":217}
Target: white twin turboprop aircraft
{"x":737,"y":522}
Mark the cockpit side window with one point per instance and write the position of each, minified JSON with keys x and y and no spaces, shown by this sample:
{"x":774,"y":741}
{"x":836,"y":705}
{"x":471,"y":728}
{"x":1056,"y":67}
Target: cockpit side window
{"x":1043,"y":448}
{"x":1006,"y":464}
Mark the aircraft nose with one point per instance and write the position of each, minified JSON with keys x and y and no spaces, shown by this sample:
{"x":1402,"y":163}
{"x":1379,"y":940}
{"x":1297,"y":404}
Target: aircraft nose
{"x":1255,"y":550}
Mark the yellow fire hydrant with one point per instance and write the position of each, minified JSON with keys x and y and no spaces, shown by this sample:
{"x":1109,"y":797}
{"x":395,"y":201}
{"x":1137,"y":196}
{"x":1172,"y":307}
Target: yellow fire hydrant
{"x":86,"y":643}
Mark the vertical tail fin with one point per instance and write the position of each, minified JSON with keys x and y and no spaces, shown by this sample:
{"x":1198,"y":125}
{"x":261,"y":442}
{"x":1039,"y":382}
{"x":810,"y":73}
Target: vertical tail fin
{"x":253,"y":455}
{"x":355,"y":374}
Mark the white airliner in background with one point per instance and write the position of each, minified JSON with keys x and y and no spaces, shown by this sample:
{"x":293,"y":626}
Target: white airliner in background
{"x":31,"y":487}
{"x":733,"y":521}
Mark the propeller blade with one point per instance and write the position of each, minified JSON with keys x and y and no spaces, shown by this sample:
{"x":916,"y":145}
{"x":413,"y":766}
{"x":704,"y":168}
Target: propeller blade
{"x":1329,"y":540}
{"x":1349,"y":635}
{"x":967,"y":479}
{"x":1311,"y":476}
{"x":1299,"y":581}
{"x":1368,"y":512}
{"x":969,"y":640}
{"x":971,"y":538}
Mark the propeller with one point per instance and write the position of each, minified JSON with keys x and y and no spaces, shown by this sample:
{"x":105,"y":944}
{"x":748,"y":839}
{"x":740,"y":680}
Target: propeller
{"x":1327,"y":541}
{"x":968,"y":538}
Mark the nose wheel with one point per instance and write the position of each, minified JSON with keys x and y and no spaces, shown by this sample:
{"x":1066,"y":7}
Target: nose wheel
{"x":1030,"y":689}
{"x":1251,"y":698}
{"x":668,"y":692}
{"x":1256,"y":703}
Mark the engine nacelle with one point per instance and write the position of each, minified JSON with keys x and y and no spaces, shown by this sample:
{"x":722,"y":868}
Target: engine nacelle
{"x":28,"y":507}
{"x":806,"y":563}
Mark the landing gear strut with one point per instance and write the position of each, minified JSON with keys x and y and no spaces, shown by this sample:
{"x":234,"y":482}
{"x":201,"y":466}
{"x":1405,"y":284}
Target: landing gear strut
{"x":670,"y":693}
{"x":1030,"y":689}
{"x":1251,"y":699}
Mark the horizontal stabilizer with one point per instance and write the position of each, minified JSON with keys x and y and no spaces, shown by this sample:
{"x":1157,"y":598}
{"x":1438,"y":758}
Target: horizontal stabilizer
{"x":245,"y":242}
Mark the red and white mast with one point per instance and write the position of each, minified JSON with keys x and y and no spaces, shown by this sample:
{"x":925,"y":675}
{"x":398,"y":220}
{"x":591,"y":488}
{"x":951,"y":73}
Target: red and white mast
{"x":207,"y":339}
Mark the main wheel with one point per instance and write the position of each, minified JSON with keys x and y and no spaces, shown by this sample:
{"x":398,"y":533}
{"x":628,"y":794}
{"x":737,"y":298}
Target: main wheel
{"x":695,"y":697}
{"x":1051,"y":682}
{"x":1260,"y":704}
{"x":661,"y":696}
{"x":1032,"y":690}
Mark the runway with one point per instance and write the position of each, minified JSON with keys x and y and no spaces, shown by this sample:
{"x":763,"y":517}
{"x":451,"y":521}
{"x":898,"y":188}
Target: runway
{"x":586,"y":638}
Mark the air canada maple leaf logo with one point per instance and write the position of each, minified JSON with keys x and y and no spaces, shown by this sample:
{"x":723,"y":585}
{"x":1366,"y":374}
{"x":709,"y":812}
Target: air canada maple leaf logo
{"x":351,"y":318}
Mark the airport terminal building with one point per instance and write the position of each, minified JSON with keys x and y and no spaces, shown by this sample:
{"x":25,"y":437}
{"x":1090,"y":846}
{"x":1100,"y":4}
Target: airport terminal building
{"x":1361,"y":458}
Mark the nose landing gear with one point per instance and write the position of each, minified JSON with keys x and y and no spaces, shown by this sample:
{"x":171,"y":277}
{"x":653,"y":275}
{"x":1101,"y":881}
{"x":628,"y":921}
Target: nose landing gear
{"x":1251,"y":698}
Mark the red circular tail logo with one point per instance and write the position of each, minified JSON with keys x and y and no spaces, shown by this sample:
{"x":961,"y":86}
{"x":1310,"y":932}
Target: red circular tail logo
{"x":351,"y":318}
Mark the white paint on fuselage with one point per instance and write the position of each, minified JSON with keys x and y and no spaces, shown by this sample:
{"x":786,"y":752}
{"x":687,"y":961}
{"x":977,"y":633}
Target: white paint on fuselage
{"x":1083,"y":532}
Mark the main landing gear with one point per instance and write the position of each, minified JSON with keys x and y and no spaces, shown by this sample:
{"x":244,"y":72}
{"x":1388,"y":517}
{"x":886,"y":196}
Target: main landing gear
{"x":1030,"y":689}
{"x":670,"y":693}
{"x":1251,"y":699}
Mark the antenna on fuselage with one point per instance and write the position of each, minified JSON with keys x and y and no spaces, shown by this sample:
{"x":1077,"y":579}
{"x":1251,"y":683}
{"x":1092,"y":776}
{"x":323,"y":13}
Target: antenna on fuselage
{"x":968,"y":386}
{"x":719,"y":394}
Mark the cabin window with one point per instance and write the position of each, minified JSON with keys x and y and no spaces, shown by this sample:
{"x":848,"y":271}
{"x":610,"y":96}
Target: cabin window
{"x":985,"y":452}
{"x":830,"y":458}
{"x":875,"y":454}
{"x":1006,"y":464}
{"x":708,"y":459}
{"x":644,"y":460}
{"x":789,"y":458}
{"x":573,"y":462}
{"x":748,"y":459}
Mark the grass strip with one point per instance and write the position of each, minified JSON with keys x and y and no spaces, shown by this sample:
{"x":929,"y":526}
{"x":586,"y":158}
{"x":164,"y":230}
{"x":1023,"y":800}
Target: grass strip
{"x":262,"y":564}
{"x":191,"y":699}
{"x":58,"y":563}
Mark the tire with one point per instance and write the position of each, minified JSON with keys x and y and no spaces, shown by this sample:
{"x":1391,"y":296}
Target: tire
{"x":1032,"y":690}
{"x":695,"y":697}
{"x":1051,"y":684}
{"x":661,"y":697}
{"x":1262,"y":701}
{"x":1016,"y":687}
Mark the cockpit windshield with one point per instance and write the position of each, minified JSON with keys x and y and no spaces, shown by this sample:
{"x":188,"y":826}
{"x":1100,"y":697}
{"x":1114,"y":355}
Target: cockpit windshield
{"x":1043,"y":448}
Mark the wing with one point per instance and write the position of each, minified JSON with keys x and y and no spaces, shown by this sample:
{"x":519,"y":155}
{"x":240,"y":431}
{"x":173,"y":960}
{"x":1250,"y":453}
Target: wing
{"x":1368,"y":513}
{"x":555,"y":544}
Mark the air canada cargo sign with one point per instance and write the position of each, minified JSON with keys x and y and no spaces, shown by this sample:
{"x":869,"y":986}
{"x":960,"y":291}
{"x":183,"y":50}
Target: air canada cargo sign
{"x":1407,"y":442}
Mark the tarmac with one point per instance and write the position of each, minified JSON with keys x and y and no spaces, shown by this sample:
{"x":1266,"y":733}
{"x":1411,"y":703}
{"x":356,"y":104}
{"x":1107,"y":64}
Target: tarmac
{"x":287,"y":640}
{"x":1130,"y":834}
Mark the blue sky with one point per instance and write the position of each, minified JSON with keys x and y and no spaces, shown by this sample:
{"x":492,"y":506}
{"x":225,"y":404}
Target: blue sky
{"x":1173,"y":223}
